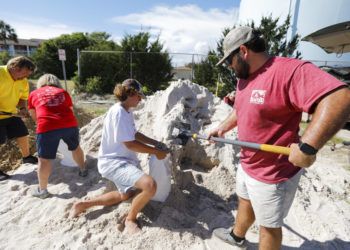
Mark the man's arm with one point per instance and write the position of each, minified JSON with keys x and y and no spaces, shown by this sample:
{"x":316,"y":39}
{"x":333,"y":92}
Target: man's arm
{"x":330,"y":115}
{"x":229,"y":123}
{"x":32,"y":114}
{"x":140,"y":147}
{"x":145,"y":139}
{"x":22,"y":106}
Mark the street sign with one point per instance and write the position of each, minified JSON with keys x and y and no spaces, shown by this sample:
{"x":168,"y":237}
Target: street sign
{"x":62,"y":58}
{"x":62,"y":54}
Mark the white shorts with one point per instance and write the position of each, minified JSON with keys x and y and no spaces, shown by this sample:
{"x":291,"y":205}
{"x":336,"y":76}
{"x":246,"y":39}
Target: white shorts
{"x":122,"y":173}
{"x":270,"y":202}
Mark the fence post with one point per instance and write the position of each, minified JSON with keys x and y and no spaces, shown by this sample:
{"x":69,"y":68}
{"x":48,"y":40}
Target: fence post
{"x":192,"y":73}
{"x":78,"y":62}
{"x":130,"y":64}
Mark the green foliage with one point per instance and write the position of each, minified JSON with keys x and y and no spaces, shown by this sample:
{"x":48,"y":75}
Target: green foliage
{"x":276,"y":37}
{"x":204,"y":72}
{"x":104,"y":65}
{"x":7,"y":33}
{"x":46,"y":57}
{"x":207,"y":74}
{"x":94,"y":85}
{"x":4,"y":57}
{"x":145,"y":63}
{"x":146,"y":90}
{"x":148,"y":64}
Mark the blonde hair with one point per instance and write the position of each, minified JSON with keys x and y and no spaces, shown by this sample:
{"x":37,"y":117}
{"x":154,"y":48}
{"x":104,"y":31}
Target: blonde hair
{"x":21,"y":62}
{"x":48,"y":80}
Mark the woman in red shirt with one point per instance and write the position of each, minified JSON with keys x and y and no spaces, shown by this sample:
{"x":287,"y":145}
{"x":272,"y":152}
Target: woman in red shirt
{"x":51,"y":108}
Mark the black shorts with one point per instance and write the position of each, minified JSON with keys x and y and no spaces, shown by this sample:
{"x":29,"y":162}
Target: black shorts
{"x":12,"y":127}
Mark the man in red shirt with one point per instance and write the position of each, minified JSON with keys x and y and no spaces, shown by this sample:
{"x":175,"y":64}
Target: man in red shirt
{"x":272,"y":92}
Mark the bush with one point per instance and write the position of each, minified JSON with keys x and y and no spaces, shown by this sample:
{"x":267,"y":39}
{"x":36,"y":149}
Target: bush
{"x":94,"y":85}
{"x":146,"y":90}
{"x":4,"y":57}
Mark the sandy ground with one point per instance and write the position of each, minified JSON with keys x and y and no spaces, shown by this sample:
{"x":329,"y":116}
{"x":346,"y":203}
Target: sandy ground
{"x":202,"y":196}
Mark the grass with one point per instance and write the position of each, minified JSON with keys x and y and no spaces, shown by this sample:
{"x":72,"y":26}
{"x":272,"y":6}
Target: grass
{"x":94,"y":111}
{"x":70,"y":84}
{"x":84,"y":113}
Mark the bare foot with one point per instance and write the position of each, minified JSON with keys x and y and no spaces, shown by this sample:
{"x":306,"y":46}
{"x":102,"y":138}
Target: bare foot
{"x":77,"y":209}
{"x":121,"y":222}
{"x":132,"y":227}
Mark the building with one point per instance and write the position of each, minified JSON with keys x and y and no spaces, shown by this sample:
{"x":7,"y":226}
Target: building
{"x":183,"y":73}
{"x":24,"y":47}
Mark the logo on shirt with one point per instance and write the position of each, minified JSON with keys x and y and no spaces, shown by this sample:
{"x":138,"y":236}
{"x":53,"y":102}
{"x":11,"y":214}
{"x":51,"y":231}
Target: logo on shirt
{"x":50,"y":99}
{"x":258,"y":96}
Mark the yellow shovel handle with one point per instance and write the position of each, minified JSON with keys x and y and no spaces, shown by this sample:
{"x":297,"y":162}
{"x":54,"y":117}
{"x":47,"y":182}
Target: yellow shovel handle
{"x":275,"y":149}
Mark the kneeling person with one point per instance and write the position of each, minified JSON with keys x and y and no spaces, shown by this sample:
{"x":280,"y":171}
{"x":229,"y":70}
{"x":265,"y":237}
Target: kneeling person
{"x":117,"y":160}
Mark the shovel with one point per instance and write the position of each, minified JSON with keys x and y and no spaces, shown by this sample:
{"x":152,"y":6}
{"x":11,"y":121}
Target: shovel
{"x":185,"y":135}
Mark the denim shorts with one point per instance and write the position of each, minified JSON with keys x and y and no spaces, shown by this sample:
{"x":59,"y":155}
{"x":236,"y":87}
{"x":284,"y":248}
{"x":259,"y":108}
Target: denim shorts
{"x":47,"y":143}
{"x":270,"y":202}
{"x":12,"y":127}
{"x":122,"y":173}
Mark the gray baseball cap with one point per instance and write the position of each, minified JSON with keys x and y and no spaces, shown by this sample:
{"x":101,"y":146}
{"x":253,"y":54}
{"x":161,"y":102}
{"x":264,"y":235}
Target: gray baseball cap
{"x":235,"y":38}
{"x":135,"y":85}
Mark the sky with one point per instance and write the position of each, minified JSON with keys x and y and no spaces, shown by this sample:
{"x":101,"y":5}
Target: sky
{"x":182,"y":26}
{"x":308,"y":16}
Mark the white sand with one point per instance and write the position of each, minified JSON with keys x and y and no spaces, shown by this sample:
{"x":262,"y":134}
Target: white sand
{"x":202,"y":196}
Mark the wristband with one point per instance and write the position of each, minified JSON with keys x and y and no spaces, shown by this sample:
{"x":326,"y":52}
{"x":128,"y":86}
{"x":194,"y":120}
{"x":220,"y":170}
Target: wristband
{"x":307,"y":149}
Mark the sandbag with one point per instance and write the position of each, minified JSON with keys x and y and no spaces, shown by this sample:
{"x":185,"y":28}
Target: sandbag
{"x":160,"y":171}
{"x":67,"y":159}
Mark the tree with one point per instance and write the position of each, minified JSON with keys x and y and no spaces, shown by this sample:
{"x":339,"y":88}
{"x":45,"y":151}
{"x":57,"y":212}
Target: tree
{"x":99,"y":71}
{"x":149,"y":63}
{"x":136,"y":57}
{"x":46,"y":57}
{"x":205,"y":73}
{"x":7,"y":33}
{"x":276,"y":37}
{"x":4,"y":57}
{"x":277,"y":45}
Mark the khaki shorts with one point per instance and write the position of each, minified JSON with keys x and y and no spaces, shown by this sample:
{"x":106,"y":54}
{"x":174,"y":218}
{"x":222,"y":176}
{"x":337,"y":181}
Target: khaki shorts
{"x":271,"y":202}
{"x":122,"y":173}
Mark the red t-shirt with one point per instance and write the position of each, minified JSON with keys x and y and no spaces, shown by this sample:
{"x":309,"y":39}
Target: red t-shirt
{"x":53,"y":109}
{"x":269,"y":105}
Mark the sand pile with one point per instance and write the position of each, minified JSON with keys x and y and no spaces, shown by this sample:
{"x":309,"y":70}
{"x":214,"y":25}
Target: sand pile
{"x":10,"y":156}
{"x":202,"y":195}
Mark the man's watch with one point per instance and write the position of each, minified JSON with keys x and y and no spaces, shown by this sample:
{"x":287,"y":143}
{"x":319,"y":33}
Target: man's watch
{"x":307,"y":149}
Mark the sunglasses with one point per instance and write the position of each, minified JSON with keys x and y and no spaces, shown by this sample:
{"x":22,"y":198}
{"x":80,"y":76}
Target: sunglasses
{"x":228,"y":60}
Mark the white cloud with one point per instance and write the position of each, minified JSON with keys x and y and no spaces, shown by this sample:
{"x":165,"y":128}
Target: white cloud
{"x":187,"y":28}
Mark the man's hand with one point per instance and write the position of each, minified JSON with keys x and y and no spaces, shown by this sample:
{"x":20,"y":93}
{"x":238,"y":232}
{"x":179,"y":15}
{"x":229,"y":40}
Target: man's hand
{"x":162,"y":150}
{"x":23,"y":112}
{"x":161,"y":146}
{"x":298,"y":158}
{"x":217,"y":132}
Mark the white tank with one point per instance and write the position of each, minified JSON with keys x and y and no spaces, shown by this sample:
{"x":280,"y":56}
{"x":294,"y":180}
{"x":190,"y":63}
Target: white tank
{"x":307,"y":16}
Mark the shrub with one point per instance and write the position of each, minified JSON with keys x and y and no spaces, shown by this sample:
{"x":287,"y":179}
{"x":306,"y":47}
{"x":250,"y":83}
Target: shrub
{"x":94,"y":85}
